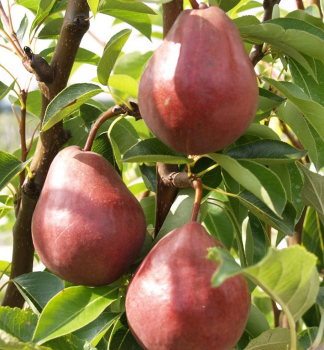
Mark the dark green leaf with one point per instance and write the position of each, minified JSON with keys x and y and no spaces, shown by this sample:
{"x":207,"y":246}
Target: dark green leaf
{"x":257,"y":241}
{"x":257,"y":179}
{"x":68,"y":101}
{"x":260,"y":210}
{"x":102,"y":146}
{"x":267,"y":152}
{"x":89,"y":113}
{"x":121,"y":337}
{"x":148,"y":206}
{"x":72,"y":309}
{"x":313,"y":236}
{"x":218,"y":221}
{"x":38,"y":288}
{"x":257,"y":323}
{"x":153,"y":150}
{"x":307,"y":337}
{"x":149,"y":176}
{"x":78,"y":130}
{"x":110,"y":55}
{"x":313,"y":191}
{"x":22,"y":28}
{"x":95,"y":330}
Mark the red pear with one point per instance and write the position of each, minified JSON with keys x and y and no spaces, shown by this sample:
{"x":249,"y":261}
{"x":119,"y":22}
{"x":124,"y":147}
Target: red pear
{"x":199,"y":92}
{"x":87,"y":227}
{"x":170,"y":304}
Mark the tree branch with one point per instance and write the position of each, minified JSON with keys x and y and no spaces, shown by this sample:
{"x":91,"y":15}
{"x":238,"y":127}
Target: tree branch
{"x":49,"y":142}
{"x":300,"y":5}
{"x":256,"y":54}
{"x":165,"y":195}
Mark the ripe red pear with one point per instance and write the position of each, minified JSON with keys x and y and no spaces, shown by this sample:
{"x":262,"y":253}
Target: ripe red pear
{"x":170,"y":304}
{"x":87,"y":227}
{"x":199,"y":92}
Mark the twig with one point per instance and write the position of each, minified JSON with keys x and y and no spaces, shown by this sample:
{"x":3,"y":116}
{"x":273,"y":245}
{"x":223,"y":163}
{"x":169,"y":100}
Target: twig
{"x":300,"y":5}
{"x":13,"y":37}
{"x":256,"y":54}
{"x":32,"y":138}
{"x":102,"y":43}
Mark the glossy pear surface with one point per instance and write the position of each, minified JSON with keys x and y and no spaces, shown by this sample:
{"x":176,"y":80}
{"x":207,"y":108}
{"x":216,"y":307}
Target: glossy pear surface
{"x":87,"y":227}
{"x":170,"y":304}
{"x":199,"y":92}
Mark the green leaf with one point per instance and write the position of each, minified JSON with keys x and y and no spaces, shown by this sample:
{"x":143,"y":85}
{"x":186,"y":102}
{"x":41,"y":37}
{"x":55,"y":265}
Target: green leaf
{"x":257,"y":241}
{"x":313,"y":236}
{"x":307,"y":337}
{"x":34,"y":102}
{"x":5,"y":267}
{"x":272,"y":339}
{"x":312,"y":110}
{"x":110,"y":55}
{"x":149,"y":177}
{"x":303,"y":15}
{"x":9,"y":342}
{"x":286,"y":224}
{"x":217,"y":220}
{"x":72,"y":309}
{"x":10,"y":166}
{"x":1,"y":25}
{"x":257,"y":179}
{"x":78,"y":131}
{"x":124,"y":83}
{"x":313,"y":191}
{"x":22,"y":28}
{"x":32,"y":5}
{"x":68,"y":101}
{"x":6,"y":205}
{"x":132,"y":6}
{"x":38,"y":288}
{"x":288,"y":113}
{"x":51,"y":30}
{"x":179,"y":214}
{"x":262,"y":131}
{"x":95,"y":330}
{"x":93,"y":4}
{"x":133,"y":63}
{"x":44,"y":9}
{"x":102,"y":146}
{"x":153,"y":150}
{"x":288,"y":276}
{"x":225,"y":5}
{"x":267,"y":152}
{"x":294,"y":33}
{"x":69,"y":342}
{"x":18,"y":323}
{"x":121,"y":337}
{"x":257,"y":323}
{"x":4,"y":89}
{"x":139,"y":21}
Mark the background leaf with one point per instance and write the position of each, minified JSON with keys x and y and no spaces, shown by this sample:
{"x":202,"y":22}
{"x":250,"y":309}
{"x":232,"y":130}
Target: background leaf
{"x":71,"y":309}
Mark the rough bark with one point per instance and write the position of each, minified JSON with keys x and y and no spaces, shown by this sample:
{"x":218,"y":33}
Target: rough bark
{"x":165,"y":195}
{"x":49,"y":142}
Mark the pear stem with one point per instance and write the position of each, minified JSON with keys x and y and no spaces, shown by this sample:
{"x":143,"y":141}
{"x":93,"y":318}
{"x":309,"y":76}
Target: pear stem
{"x":194,"y":4}
{"x":112,"y":112}
{"x":197,"y":185}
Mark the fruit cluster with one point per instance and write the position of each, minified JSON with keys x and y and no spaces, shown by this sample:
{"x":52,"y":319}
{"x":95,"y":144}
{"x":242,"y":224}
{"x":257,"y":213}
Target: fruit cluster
{"x":198,"y":94}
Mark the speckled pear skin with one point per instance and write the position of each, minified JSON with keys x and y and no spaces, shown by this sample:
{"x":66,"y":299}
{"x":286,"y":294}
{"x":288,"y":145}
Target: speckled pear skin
{"x":170,"y":304}
{"x":199,"y":92}
{"x":87,"y":227}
